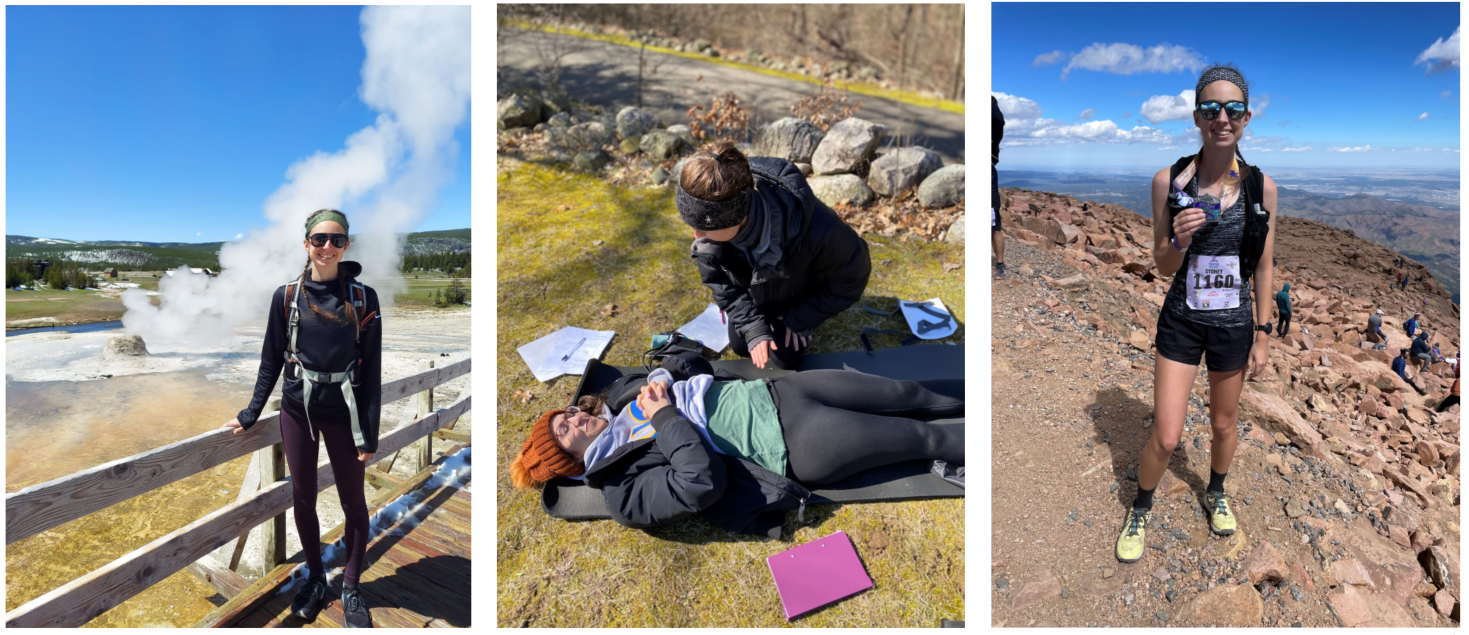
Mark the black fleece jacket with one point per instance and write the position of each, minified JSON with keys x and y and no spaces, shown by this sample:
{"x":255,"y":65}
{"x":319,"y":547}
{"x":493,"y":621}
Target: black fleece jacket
{"x":826,"y":262}
{"x":323,"y":346}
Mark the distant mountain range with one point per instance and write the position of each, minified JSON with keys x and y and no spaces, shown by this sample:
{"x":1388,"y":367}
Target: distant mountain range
{"x":158,"y":256}
{"x":1428,"y":235}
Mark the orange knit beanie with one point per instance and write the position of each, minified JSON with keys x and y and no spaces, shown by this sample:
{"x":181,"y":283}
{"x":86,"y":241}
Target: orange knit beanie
{"x":542,"y":458}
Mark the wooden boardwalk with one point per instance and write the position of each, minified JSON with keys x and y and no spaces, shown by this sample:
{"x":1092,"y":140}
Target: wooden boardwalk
{"x":416,"y":577}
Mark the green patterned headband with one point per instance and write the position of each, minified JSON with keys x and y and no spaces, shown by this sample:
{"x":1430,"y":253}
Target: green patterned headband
{"x":325,"y":215}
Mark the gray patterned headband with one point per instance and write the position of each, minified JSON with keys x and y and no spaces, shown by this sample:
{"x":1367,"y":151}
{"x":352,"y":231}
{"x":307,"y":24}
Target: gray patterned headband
{"x":1227,"y":74}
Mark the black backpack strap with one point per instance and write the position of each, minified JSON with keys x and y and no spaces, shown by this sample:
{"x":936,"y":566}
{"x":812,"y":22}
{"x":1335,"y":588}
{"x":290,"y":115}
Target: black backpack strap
{"x":1257,"y":222}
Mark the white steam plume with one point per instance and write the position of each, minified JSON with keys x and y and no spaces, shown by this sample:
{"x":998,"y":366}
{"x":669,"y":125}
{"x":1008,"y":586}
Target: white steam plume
{"x":386,"y":179}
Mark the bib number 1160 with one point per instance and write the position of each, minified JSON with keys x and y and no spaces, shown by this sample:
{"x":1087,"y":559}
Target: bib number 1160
{"x":1216,"y":281}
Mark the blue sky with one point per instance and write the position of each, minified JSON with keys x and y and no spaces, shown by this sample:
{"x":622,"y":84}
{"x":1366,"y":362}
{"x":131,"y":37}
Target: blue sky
{"x":1088,"y":85}
{"x":175,"y":123}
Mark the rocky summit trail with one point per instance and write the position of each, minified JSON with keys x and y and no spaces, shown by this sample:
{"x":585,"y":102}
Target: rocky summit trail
{"x":1345,"y":481}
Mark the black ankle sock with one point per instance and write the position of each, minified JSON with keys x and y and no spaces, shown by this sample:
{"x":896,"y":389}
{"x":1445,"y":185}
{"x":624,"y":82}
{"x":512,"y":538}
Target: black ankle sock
{"x":1216,"y":482}
{"x":1144,"y":498}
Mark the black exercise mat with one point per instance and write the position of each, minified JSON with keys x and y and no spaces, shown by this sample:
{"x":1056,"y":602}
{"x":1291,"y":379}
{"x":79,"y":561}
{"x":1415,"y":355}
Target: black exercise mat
{"x":568,"y":499}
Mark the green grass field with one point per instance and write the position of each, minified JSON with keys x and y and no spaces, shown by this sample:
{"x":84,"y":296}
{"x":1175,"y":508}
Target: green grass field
{"x":421,"y":290}
{"x":68,"y":307}
{"x":569,"y":245}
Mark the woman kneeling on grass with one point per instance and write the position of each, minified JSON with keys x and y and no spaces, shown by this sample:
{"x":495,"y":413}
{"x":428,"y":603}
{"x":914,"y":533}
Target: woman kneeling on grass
{"x":1208,"y":311}
{"x":738,"y":452}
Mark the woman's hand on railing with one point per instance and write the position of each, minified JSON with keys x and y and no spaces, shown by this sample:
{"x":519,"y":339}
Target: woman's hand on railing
{"x":235,"y":424}
{"x":363,"y":456}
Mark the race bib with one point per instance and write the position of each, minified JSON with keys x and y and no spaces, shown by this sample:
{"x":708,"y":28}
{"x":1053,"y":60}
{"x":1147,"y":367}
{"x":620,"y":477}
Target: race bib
{"x":1213,"y":283}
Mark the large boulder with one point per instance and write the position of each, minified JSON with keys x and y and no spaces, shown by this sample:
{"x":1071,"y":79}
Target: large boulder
{"x":1237,"y":605}
{"x":124,"y":347}
{"x":1275,"y":415}
{"x":846,"y":146}
{"x":660,"y":145}
{"x":591,"y":160}
{"x":591,"y":135}
{"x":685,"y":133}
{"x":633,"y":121}
{"x":895,"y":172}
{"x":955,"y":234}
{"x":836,"y":188}
{"x":1354,"y":608}
{"x":519,"y":110}
{"x":943,"y":188}
{"x":792,"y":139}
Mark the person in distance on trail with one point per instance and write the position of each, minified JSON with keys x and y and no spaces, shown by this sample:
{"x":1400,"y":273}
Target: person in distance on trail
{"x":1453,"y":397}
{"x":736,"y":453}
{"x":1282,"y":302}
{"x":779,"y":261}
{"x":324,"y":331}
{"x":1400,"y":366}
{"x":1374,"y":332}
{"x":1411,"y":325}
{"x":1217,"y":260}
{"x":1420,"y":352}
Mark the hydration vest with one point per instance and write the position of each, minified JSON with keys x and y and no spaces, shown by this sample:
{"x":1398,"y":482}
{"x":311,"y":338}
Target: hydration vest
{"x":1257,"y":224}
{"x":346,"y":378}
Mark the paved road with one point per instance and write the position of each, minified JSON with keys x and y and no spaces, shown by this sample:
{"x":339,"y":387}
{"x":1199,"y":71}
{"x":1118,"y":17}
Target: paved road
{"x":607,"y":74}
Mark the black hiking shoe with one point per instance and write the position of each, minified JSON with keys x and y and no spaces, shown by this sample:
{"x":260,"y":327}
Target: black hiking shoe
{"x":310,"y":598}
{"x":999,"y":271}
{"x":354,"y":609}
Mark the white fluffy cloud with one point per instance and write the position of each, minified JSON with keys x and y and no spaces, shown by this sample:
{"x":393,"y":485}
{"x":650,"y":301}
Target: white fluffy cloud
{"x":1366,"y":148}
{"x":1128,"y":59}
{"x":1421,"y":117}
{"x":1258,"y":106}
{"x":1301,"y":149}
{"x":1161,"y":108}
{"x":1025,"y":125}
{"x":1049,"y":58}
{"x":1087,"y":114}
{"x":1442,"y":55}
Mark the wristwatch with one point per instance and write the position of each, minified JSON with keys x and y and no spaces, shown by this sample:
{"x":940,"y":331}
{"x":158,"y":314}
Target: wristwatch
{"x":1263,"y":327}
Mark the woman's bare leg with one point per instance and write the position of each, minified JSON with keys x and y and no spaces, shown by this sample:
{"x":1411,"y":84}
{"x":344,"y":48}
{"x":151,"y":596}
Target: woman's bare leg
{"x":1172,"y":382}
{"x":1224,"y":389}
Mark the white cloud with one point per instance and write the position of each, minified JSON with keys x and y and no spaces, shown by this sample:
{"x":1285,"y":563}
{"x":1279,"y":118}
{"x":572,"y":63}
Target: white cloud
{"x":1450,"y":149}
{"x":1048,"y":58}
{"x":1258,"y":107}
{"x":1087,"y":114}
{"x":1421,"y":117}
{"x":1127,"y":59}
{"x":1446,"y":94}
{"x":1442,"y":55}
{"x":1301,"y":149}
{"x":1017,"y":107}
{"x":1161,"y":108}
{"x":1366,"y":148}
{"x":198,"y":233}
{"x":1168,"y":148}
{"x":239,"y":235}
{"x":1420,"y":149}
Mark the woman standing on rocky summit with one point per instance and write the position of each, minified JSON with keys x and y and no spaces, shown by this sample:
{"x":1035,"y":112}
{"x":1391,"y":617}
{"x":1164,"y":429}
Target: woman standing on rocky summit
{"x":1208,"y":311}
{"x":324,"y":332}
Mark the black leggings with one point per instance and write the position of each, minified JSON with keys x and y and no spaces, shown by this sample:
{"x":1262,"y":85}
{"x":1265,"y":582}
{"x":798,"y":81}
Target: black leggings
{"x":1284,"y":323}
{"x":1447,"y":403}
{"x":839,"y":422}
{"x":301,"y":457}
{"x":783,"y":357}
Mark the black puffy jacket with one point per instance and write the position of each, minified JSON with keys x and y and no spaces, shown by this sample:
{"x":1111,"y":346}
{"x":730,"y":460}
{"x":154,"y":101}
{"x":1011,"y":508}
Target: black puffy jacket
{"x":676,"y":474}
{"x":826,"y":262}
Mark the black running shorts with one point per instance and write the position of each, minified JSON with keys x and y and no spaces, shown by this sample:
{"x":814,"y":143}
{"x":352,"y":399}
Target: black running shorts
{"x":1185,"y":341}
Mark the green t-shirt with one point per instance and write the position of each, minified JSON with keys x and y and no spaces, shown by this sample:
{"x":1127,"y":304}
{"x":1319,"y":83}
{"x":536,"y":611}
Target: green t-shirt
{"x":743,"y":423}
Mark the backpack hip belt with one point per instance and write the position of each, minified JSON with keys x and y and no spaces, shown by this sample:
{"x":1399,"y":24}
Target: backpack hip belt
{"x":308,"y":377}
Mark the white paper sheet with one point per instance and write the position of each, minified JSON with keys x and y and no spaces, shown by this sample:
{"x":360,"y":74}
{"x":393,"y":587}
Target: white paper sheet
{"x":576,"y":345}
{"x":914,"y":316}
{"x":708,"y":328}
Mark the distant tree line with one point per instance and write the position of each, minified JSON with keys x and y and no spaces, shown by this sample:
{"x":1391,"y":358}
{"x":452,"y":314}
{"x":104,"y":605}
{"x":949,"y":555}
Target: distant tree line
{"x":447,"y":262}
{"x":60,"y":275}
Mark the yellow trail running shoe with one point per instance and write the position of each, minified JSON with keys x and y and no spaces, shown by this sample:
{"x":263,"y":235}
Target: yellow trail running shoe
{"x":1221,"y":517}
{"x":1130,"y":543}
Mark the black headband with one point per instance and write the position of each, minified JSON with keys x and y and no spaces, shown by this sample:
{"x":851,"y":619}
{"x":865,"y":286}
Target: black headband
{"x":1223,"y":73}
{"x":711,"y":215}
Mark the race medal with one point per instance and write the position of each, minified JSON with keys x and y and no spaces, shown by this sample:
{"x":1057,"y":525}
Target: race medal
{"x":1210,"y":206}
{"x":1213,"y":283}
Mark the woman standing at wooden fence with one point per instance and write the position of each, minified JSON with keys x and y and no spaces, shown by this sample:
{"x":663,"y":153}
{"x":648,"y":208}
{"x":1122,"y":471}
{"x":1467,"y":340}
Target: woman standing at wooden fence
{"x":331,"y":392}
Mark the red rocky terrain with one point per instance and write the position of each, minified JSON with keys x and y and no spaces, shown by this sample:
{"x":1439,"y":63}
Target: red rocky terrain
{"x":1346,"y":481}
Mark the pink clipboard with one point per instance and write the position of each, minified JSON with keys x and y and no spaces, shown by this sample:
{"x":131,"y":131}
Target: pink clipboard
{"x":817,"y":573}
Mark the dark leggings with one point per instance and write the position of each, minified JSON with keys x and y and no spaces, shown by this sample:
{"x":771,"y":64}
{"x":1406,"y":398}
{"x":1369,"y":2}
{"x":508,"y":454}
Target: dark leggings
{"x":784,"y":357}
{"x":840,"y":422}
{"x":1284,"y":323}
{"x":1447,"y":403}
{"x":301,"y":457}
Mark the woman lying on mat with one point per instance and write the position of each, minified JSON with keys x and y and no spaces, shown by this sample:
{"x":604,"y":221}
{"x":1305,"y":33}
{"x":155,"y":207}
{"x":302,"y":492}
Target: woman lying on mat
{"x":738,"y":452}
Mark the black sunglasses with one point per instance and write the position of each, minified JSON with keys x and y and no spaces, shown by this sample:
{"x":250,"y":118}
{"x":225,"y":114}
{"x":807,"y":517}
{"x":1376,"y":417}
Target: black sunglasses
{"x":1209,"y":110}
{"x":338,"y":240}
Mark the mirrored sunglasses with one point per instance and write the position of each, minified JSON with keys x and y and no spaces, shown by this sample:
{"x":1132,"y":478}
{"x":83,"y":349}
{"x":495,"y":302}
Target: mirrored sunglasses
{"x":1209,"y":110}
{"x":338,"y":240}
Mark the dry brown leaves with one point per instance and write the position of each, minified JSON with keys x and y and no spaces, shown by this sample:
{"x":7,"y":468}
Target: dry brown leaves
{"x":825,"y":107}
{"x":610,"y":310}
{"x":900,"y":217}
{"x":524,"y":396}
{"x":724,"y":114}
